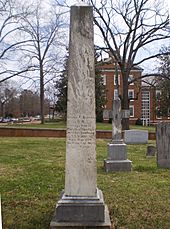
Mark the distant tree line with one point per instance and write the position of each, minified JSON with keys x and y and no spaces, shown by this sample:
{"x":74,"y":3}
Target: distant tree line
{"x":33,"y":41}
{"x":24,"y":103}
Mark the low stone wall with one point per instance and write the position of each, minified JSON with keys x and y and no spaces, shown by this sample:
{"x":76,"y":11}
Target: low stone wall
{"x":151,"y":136}
{"x":57,"y":133}
{"x":31,"y":132}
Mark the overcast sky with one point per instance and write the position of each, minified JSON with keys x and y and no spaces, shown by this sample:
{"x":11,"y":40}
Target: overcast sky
{"x":99,"y":40}
{"x":152,"y":48}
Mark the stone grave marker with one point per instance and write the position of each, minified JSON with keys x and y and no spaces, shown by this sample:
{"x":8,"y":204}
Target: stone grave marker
{"x":163,"y":145}
{"x":107,"y":114}
{"x":117,"y":151}
{"x":151,"y":151}
{"x":136,"y":136}
{"x":81,"y":204}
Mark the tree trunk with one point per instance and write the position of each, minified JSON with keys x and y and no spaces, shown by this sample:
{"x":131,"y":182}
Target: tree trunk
{"x":1,"y":113}
{"x":53,"y":114}
{"x":42,"y":93}
{"x":3,"y":109}
{"x":125,"y":101}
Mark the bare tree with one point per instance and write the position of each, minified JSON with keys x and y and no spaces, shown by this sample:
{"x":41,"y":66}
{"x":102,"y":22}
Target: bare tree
{"x":45,"y":28}
{"x":11,"y":13}
{"x":29,"y":103}
{"x":163,"y":84}
{"x":7,"y":93}
{"x":129,"y":27}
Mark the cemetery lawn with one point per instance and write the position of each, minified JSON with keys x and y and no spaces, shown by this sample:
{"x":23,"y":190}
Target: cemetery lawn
{"x":32,"y":178}
{"x":62,"y":125}
{"x":47,"y":125}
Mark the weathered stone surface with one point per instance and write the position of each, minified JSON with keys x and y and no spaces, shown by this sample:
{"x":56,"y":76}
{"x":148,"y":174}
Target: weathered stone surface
{"x":118,"y":165}
{"x":163,"y":145}
{"x":80,"y":177}
{"x":82,"y":209}
{"x":151,"y":151}
{"x":116,"y":121}
{"x":136,"y":136}
{"x":117,"y":158}
{"x":117,"y":152}
{"x":106,"y":224}
{"x":107,"y":114}
{"x":81,"y":204}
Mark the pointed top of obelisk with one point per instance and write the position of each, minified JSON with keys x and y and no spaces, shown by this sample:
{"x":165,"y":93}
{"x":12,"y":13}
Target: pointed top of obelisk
{"x":81,"y":3}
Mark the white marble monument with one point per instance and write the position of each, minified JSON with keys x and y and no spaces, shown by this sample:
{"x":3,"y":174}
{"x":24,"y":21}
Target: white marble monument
{"x":81,"y":204}
{"x":117,"y":152}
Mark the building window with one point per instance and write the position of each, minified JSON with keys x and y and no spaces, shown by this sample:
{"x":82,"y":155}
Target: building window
{"x":115,"y":80}
{"x":130,"y":78}
{"x":168,"y":113}
{"x":158,"y":112}
{"x":158,"y":106}
{"x":145,"y":107}
{"x":131,"y":94}
{"x":104,"y":79}
{"x":131,"y":109}
{"x":158,"y":95}
{"x":116,"y":96}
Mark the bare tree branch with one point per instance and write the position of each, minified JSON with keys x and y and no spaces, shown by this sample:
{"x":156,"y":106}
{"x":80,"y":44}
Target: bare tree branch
{"x":13,"y":73}
{"x":128,"y":27}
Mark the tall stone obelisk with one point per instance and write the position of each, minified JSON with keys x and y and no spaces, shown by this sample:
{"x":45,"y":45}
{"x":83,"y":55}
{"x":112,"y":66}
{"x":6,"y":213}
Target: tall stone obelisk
{"x":81,"y":121}
{"x":81,"y":204}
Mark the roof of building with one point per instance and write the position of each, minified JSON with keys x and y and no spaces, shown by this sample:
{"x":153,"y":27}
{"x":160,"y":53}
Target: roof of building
{"x":108,"y":63}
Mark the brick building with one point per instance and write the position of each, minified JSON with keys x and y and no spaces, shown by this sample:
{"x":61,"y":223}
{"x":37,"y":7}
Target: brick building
{"x":151,"y":106}
{"x":142,"y":99}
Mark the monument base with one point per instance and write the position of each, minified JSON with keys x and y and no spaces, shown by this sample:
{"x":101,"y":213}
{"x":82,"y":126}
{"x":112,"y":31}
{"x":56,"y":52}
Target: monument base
{"x":163,"y":163}
{"x":118,"y":165}
{"x":81,"y":212}
{"x":117,"y":158}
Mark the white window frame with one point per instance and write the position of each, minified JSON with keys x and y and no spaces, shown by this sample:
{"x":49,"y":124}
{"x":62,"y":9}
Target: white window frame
{"x":145,"y":107}
{"x":133,"y":94}
{"x":158,"y":117}
{"x":131,"y":77}
{"x":133,"y":111}
{"x":115,"y":80}
{"x":169,"y":113}
{"x":158,"y":92}
{"x":157,"y":100}
{"x":104,"y":79}
{"x":116,"y":94}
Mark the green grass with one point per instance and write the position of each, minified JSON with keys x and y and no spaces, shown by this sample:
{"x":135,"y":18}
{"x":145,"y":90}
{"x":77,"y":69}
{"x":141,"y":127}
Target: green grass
{"x":32,"y":178}
{"x":58,"y":125}
{"x":62,"y":124}
{"x":108,"y":126}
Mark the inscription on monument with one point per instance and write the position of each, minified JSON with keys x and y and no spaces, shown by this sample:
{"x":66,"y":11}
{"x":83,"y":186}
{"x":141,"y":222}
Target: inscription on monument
{"x":81,"y":204}
{"x":80,"y":133}
{"x":81,"y":122}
